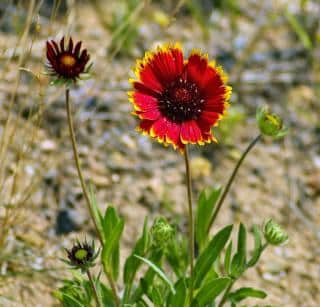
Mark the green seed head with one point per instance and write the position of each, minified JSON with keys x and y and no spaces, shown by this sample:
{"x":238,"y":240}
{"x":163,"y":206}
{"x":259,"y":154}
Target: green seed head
{"x":274,"y":234}
{"x":81,"y":254}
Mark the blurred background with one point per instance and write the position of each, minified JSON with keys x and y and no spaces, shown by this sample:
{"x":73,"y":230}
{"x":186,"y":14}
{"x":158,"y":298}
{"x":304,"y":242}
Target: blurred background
{"x":271,"y":51}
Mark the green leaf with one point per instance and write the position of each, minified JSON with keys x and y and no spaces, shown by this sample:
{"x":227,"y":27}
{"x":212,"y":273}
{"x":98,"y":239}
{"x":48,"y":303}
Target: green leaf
{"x":70,"y":301}
{"x":238,"y":265}
{"x":106,"y":295}
{"x":159,"y":272}
{"x":132,"y":263}
{"x":257,"y":247}
{"x":242,"y":242}
{"x":210,"y":254}
{"x":155,"y":257}
{"x":207,"y":201}
{"x":156,"y":297}
{"x":243,"y":293}
{"x":110,"y":220}
{"x":227,"y":258}
{"x":177,"y":255}
{"x":211,"y":290}
{"x":111,"y":245}
{"x":179,"y":298}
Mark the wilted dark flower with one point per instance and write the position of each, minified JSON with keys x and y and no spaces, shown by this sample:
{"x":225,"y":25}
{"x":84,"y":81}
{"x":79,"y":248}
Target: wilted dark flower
{"x":82,"y":255}
{"x":270,"y":124}
{"x":67,"y":63}
{"x":179,"y":100}
{"x":274,"y":234}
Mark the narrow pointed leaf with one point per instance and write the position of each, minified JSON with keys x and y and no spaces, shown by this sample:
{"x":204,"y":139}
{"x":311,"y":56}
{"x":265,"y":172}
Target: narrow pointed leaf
{"x":243,"y":293}
{"x":161,"y":274}
{"x":210,"y":254}
{"x":257,"y":247}
{"x":206,"y":204}
{"x":227,"y":258}
{"x":211,"y":290}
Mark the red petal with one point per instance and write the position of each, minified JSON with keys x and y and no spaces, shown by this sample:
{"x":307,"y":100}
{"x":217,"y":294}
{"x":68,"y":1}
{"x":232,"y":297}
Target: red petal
{"x":77,"y":49}
{"x":143,"y":89}
{"x":62,"y":44}
{"x":51,"y":55}
{"x":196,"y":67}
{"x":160,"y":129}
{"x":56,"y":47}
{"x":167,"y":64}
{"x":151,"y":114}
{"x":70,"y":45}
{"x":206,"y":77}
{"x":216,"y":104}
{"x":190,"y":132}
{"x":209,"y":118}
{"x":173,"y":134}
{"x":145,"y":125}
{"x":144,"y":102}
{"x":159,"y":69}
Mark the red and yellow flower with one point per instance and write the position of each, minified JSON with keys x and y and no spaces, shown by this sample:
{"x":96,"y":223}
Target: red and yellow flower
{"x":178,"y":101}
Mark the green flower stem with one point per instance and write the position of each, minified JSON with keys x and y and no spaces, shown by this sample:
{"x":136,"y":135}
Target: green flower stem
{"x":94,"y":289}
{"x":84,"y":189}
{"x":231,"y":179}
{"x":226,"y":293}
{"x":191,"y":226}
{"x":77,"y":161}
{"x":113,"y":289}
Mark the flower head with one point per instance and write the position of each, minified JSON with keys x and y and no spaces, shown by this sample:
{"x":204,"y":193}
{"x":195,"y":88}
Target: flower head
{"x":270,"y":124}
{"x":177,"y":100}
{"x":67,"y":63}
{"x":274,"y":234}
{"x":82,"y":255}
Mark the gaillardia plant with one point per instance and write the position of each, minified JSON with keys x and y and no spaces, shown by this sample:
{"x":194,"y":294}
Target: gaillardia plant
{"x":67,"y":64}
{"x":178,"y":100}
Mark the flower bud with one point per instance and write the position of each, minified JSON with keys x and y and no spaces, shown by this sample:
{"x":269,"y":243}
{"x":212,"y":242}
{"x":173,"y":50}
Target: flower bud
{"x":81,"y":256}
{"x":161,"y":232}
{"x":270,"y":124}
{"x":274,"y":234}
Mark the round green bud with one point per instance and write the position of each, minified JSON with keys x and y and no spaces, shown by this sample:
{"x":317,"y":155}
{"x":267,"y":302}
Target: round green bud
{"x":270,"y":124}
{"x":161,"y":232}
{"x":274,"y":234}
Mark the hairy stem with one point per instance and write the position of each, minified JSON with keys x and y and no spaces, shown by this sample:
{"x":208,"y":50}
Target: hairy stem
{"x":231,"y":179}
{"x":77,"y":162}
{"x":190,"y":222}
{"x":84,"y":189}
{"x":94,"y":289}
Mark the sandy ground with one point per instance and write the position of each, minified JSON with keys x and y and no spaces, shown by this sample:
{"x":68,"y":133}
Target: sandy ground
{"x":278,"y":180}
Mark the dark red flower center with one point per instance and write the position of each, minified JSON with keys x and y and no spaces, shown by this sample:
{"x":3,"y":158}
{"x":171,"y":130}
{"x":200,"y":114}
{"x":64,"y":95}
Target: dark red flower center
{"x":181,"y":101}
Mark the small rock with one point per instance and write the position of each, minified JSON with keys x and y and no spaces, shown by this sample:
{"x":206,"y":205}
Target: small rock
{"x":65,"y":222}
